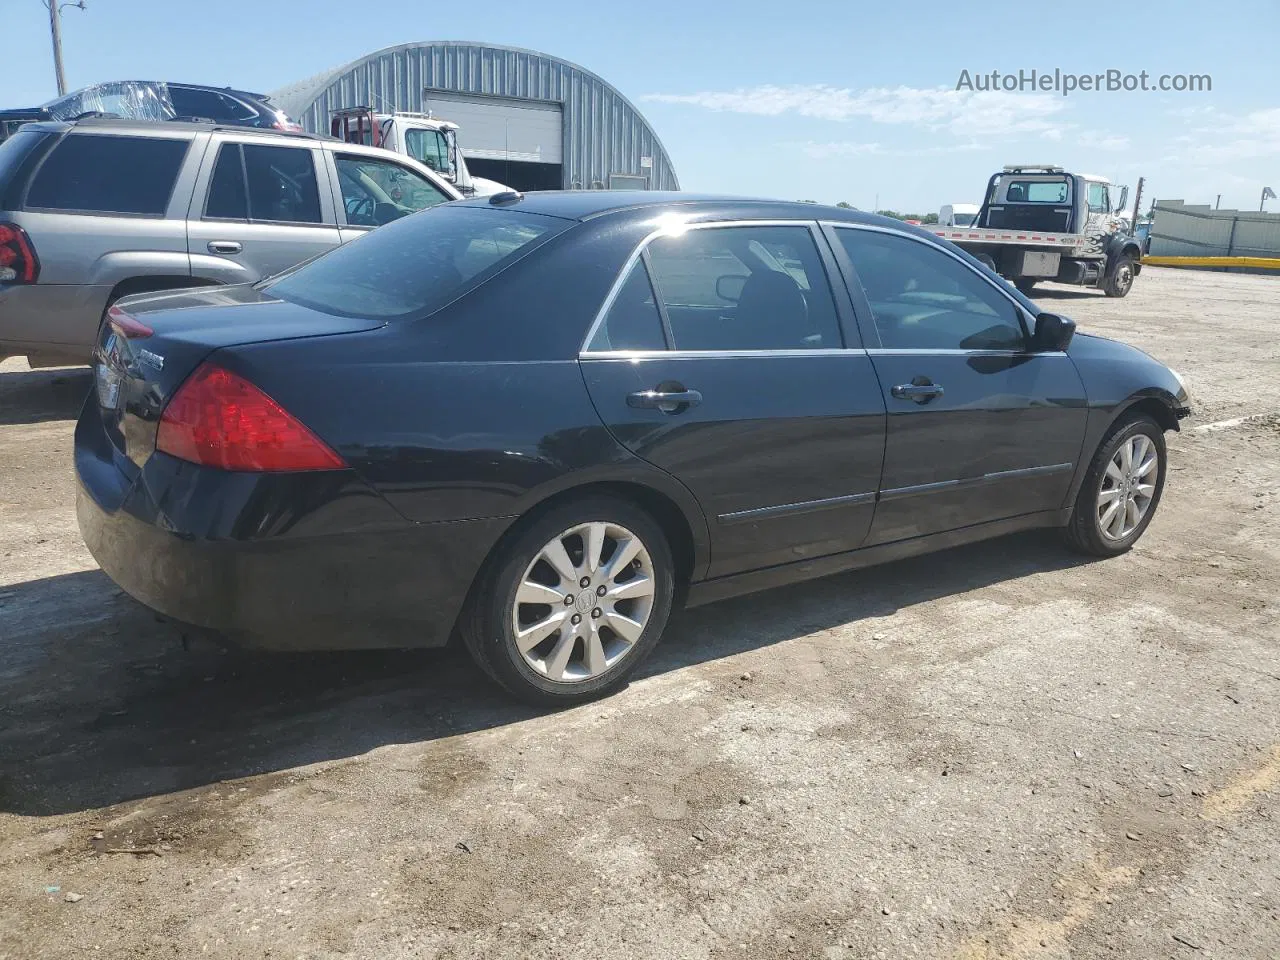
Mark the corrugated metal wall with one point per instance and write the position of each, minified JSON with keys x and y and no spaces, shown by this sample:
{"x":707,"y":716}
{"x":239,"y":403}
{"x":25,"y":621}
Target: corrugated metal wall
{"x":603,"y":133}
{"x":1193,"y":230}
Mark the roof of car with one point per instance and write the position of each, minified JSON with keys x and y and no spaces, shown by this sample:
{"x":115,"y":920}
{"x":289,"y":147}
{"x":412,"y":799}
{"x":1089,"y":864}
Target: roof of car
{"x":589,"y":204}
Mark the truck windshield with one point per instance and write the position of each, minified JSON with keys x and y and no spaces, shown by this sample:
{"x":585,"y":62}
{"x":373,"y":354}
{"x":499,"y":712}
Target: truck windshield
{"x":1036,"y":191}
{"x":963,"y":219}
{"x":429,"y":147}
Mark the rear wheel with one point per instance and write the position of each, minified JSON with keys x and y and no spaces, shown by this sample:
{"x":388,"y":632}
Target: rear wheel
{"x":1120,"y":282}
{"x":572,"y":604}
{"x":1121,"y":490}
{"x":1025,"y":284}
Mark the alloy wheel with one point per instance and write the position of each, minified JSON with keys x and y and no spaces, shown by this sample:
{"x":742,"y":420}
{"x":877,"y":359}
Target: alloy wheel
{"x":583,"y":602}
{"x":1128,"y":487}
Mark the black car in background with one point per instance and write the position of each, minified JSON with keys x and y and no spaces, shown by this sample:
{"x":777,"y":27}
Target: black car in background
{"x":153,"y":100}
{"x":540,"y":422}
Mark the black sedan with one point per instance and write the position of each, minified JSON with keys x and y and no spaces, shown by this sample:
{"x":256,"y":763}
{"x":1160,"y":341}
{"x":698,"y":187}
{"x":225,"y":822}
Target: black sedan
{"x":540,"y":422}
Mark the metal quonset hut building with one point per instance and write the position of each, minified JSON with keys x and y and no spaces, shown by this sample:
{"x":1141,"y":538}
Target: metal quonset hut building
{"x":527,"y":119}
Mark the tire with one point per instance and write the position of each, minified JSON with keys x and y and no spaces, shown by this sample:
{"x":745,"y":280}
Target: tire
{"x":1085,"y":532}
{"x":1025,"y":285}
{"x":1120,"y":281}
{"x":545,"y":674}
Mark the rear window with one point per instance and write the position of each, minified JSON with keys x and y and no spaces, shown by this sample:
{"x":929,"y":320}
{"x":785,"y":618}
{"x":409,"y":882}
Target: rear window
{"x":103,"y":174}
{"x":415,"y":265}
{"x":12,"y":154}
{"x":1037,"y":191}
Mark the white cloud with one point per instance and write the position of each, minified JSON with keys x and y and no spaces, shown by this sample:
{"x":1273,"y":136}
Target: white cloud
{"x":842,"y":148}
{"x":966,"y":112}
{"x":1103,"y":141}
{"x":1232,"y":137}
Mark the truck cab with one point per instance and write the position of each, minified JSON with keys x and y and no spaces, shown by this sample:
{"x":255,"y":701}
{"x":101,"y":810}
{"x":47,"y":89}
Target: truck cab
{"x":429,"y":140}
{"x":1048,"y":199}
{"x":958,"y":214}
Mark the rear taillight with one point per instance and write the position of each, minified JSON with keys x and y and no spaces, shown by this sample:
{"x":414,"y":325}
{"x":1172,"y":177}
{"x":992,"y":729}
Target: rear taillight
{"x":219,"y":419}
{"x":18,"y":263}
{"x":127,"y":325}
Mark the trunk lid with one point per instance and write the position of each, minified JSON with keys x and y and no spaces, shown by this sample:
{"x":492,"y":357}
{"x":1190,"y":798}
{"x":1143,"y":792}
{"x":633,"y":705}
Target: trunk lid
{"x":136,"y":372}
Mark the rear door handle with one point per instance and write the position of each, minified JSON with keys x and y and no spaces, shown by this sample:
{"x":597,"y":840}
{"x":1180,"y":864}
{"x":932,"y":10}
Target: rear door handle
{"x":668,"y":401}
{"x":225,"y":246}
{"x":919,"y":392}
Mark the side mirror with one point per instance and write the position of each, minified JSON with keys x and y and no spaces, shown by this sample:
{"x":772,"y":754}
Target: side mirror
{"x":1053,"y":332}
{"x":1123,"y":201}
{"x":729,"y":287}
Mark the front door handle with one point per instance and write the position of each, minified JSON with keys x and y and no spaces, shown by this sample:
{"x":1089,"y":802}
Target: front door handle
{"x":921,"y":390}
{"x":226,"y":247}
{"x":668,"y":400}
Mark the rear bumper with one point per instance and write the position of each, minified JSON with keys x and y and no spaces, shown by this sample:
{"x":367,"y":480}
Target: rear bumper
{"x":51,"y":318}
{"x":284,"y":563}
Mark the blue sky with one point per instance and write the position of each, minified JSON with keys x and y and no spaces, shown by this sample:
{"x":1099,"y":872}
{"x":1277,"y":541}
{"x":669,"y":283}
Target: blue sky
{"x":802,"y":100}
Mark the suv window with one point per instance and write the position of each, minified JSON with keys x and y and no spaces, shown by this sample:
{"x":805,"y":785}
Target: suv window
{"x":93,"y":173}
{"x":415,"y":265}
{"x":633,"y":321}
{"x":925,"y":299}
{"x":745,"y":288}
{"x":208,"y":105}
{"x":257,"y":182}
{"x":375,"y":192}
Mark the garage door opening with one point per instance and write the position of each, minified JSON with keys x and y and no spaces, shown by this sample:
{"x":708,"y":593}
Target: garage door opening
{"x":514,"y":141}
{"x":517,"y":174}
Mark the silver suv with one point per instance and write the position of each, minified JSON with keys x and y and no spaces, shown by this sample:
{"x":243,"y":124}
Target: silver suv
{"x":97,"y":209}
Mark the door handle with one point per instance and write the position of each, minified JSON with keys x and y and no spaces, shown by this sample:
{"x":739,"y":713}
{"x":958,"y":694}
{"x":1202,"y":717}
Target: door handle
{"x":668,"y":401}
{"x":225,"y":246}
{"x":919,"y":392}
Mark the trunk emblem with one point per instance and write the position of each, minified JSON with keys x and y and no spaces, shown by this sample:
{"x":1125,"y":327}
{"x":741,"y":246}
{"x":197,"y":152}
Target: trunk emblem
{"x":151,"y":359}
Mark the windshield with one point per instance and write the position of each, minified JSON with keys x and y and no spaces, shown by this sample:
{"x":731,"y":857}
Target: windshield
{"x":963,"y":219}
{"x":429,"y":147}
{"x":416,"y":265}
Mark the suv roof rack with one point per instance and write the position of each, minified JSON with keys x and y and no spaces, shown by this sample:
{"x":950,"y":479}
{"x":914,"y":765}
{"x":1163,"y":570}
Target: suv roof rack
{"x":188,"y":122}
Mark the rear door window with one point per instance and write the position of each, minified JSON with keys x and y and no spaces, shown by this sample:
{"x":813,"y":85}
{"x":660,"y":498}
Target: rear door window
{"x":191,"y":102}
{"x":416,"y":265}
{"x":257,"y":182}
{"x":633,"y":321}
{"x":745,"y":288}
{"x":93,"y":173}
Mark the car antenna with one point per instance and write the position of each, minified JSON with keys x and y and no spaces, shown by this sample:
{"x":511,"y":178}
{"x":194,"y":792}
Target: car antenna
{"x":506,"y":196}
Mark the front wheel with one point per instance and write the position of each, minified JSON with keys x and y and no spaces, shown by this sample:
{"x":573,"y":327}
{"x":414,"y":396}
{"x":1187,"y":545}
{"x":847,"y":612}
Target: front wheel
{"x":1120,"y":282}
{"x":1121,"y":489}
{"x":573,"y":603}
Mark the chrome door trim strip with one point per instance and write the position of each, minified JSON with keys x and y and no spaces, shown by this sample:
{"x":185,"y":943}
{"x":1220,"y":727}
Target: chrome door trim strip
{"x":899,"y":493}
{"x":790,"y":509}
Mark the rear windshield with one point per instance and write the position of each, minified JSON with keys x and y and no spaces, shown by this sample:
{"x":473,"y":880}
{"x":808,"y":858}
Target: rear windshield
{"x":1037,"y":191}
{"x":415,"y":265}
{"x":12,"y":152}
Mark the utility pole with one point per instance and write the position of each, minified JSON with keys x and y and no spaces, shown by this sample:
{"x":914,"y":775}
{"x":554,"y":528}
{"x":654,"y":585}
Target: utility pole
{"x":1217,"y":203}
{"x":55,"y":29}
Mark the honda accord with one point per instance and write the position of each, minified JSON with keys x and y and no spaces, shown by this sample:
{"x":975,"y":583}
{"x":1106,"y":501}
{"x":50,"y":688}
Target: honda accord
{"x":538,"y":423}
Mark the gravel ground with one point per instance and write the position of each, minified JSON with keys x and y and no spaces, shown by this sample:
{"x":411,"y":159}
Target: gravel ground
{"x":1000,"y":751}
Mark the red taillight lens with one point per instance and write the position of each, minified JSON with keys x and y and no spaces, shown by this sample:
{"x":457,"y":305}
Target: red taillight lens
{"x":18,"y":263}
{"x":127,"y":325}
{"x":219,"y":419}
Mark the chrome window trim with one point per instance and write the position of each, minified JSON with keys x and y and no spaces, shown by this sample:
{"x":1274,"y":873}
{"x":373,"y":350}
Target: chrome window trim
{"x":716,"y":354}
{"x":620,"y":279}
{"x":1019,"y":310}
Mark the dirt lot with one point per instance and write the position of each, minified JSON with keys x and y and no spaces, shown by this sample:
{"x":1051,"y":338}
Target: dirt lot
{"x":1000,"y":751}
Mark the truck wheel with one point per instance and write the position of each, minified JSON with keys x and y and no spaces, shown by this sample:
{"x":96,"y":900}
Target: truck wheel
{"x":1120,"y":281}
{"x":1025,"y":285}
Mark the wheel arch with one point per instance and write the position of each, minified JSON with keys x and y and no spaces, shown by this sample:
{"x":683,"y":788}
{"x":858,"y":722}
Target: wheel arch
{"x":1157,"y":405}
{"x":155,"y":283}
